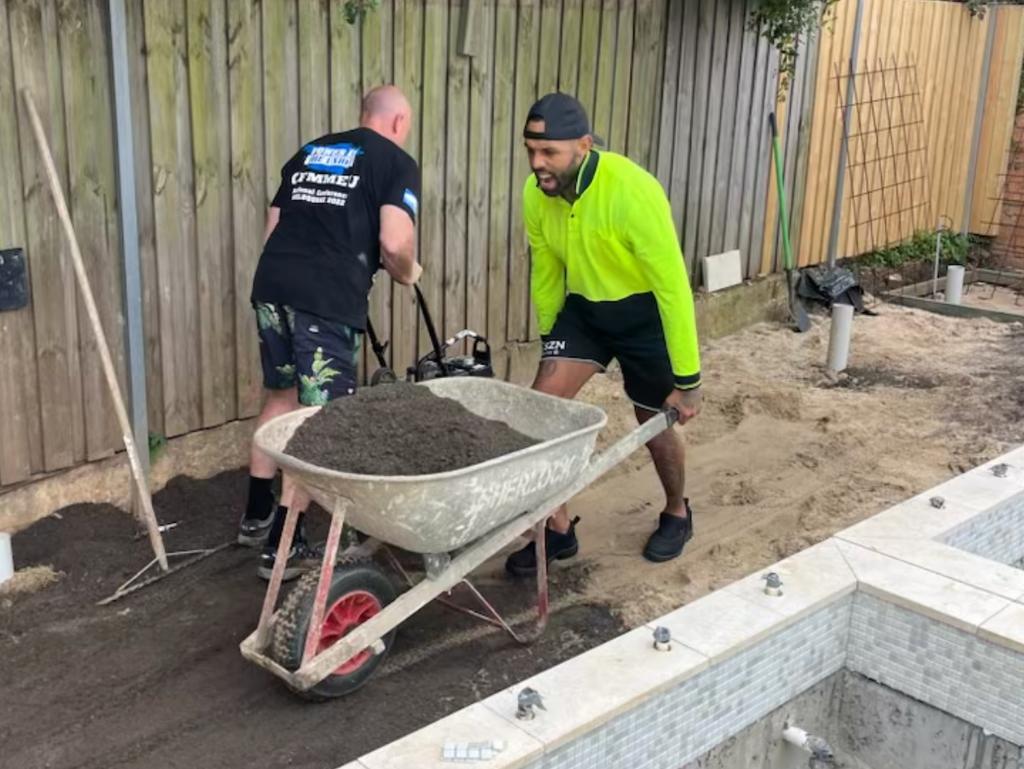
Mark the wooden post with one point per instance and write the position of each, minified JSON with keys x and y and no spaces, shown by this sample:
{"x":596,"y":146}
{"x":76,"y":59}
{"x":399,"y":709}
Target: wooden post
{"x":148,"y":515}
{"x":468,"y":28}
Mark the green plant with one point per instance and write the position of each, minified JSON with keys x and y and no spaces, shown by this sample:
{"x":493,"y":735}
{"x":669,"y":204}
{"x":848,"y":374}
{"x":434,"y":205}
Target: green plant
{"x":357,"y":9}
{"x":921,"y":248}
{"x":157,"y":444}
{"x":1020,"y":95}
{"x":784,"y":22}
{"x":977,"y":7}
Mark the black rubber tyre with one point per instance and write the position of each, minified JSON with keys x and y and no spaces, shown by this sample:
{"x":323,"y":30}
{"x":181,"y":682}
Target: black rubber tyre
{"x":356,"y":591}
{"x":383,"y":376}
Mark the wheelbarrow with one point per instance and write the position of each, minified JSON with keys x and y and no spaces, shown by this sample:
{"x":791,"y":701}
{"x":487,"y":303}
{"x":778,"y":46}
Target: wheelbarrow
{"x":338,"y":623}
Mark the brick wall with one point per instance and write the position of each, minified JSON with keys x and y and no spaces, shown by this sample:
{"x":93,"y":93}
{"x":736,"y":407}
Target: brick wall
{"x":1009,"y":242}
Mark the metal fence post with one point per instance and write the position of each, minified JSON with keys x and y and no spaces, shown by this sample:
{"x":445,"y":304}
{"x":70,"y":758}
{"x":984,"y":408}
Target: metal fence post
{"x":979,"y":120}
{"x":851,"y":84}
{"x":134,"y":338}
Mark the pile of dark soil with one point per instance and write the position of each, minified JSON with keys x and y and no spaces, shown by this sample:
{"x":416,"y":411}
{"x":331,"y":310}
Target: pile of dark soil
{"x":869,"y":377}
{"x":156,"y":681}
{"x":401,"y":429}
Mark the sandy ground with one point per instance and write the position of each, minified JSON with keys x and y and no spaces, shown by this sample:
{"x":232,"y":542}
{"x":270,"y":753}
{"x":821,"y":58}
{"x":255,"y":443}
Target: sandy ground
{"x":780,"y":458}
{"x":989,"y":297}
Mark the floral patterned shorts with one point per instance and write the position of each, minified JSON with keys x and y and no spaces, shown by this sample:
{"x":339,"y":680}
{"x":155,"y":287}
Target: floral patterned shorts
{"x":301,"y":350}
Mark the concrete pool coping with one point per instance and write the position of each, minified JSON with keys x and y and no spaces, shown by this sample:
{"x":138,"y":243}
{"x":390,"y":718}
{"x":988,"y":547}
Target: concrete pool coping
{"x":896,"y":564}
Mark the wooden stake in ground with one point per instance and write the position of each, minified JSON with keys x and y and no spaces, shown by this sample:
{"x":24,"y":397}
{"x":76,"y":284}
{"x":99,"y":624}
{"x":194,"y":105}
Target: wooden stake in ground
{"x":148,"y":515}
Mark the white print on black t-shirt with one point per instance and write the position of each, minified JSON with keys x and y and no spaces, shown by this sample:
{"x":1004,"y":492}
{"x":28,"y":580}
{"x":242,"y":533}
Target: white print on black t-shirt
{"x":313,"y":195}
{"x":337,"y":180}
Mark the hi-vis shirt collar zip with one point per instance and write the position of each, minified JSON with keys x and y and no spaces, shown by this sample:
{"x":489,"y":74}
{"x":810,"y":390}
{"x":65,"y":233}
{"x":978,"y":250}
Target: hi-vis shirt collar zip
{"x":588,"y":169}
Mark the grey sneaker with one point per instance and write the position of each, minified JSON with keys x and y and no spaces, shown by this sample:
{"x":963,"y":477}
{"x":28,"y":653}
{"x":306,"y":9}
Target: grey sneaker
{"x":302,"y":558}
{"x":253,"y":532}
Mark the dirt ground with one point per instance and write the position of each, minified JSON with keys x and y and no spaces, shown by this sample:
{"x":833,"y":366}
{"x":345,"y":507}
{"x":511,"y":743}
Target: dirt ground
{"x":989,"y":297}
{"x":780,"y":458}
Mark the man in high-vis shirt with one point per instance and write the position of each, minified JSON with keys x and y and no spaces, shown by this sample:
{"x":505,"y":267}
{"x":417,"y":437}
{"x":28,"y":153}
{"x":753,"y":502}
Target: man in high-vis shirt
{"x":608,"y":281}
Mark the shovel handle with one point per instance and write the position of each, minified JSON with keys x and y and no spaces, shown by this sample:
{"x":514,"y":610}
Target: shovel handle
{"x":787,"y":249}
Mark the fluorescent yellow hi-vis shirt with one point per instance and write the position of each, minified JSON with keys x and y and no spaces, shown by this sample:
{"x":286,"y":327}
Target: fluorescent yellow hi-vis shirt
{"x":617,"y":240}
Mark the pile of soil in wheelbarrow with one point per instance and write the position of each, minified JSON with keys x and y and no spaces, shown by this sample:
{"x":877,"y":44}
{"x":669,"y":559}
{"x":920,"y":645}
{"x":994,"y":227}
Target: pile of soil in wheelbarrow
{"x":401,"y":429}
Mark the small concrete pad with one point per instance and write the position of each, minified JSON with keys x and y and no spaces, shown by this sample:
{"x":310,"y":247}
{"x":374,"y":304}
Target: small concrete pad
{"x":722,"y":271}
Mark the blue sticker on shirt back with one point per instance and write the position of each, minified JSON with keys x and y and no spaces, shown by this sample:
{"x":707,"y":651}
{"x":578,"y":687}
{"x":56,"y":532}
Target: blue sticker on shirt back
{"x":332,"y":158}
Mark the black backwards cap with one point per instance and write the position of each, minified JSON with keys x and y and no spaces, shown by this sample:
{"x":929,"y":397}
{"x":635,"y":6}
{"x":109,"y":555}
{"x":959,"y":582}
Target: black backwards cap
{"x":564,"y":118}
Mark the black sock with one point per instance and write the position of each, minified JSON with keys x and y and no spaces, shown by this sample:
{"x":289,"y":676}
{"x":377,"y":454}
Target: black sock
{"x":261,"y":497}
{"x":277,"y":528}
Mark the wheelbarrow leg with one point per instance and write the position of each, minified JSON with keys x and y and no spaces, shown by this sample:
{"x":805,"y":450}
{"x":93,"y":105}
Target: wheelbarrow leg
{"x":540,"y":544}
{"x":542,"y":595}
{"x":276,"y":577}
{"x":326,"y":574}
{"x":493,"y":616}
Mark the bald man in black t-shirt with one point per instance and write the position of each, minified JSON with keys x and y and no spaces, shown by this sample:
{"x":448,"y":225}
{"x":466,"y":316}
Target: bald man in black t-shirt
{"x":346,"y":206}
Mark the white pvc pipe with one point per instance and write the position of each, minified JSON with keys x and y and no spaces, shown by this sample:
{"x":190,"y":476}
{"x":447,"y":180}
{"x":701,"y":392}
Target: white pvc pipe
{"x":954,"y":284}
{"x":839,"y":337}
{"x":795,"y":736}
{"x":6,"y":557}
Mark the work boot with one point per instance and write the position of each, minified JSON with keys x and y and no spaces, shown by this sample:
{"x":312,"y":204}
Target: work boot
{"x":303,"y":557}
{"x":671,"y":536}
{"x":558,"y":546}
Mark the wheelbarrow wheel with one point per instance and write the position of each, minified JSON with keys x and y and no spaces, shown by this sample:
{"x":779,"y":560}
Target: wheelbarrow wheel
{"x":357,"y":593}
{"x":383,"y":376}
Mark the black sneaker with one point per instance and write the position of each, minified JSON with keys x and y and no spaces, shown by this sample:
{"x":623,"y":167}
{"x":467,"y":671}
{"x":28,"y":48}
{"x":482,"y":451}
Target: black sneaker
{"x":302,"y":558}
{"x":672,"y":535}
{"x":253,"y":532}
{"x":523,"y":563}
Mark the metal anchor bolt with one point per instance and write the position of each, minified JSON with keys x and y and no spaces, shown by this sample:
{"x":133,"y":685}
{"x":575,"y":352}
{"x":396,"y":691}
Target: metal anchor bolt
{"x":773,"y":584}
{"x":528,"y":699}
{"x":662,"y":639}
{"x":937,"y":502}
{"x":1000,"y":470}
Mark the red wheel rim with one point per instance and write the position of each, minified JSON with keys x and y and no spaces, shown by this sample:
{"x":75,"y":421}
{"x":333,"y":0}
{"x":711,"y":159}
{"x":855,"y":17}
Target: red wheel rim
{"x":344,"y":615}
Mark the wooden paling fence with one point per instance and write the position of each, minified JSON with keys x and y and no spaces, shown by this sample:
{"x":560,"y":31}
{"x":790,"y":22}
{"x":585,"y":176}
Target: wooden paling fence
{"x":897,"y":137}
{"x":224,"y":91}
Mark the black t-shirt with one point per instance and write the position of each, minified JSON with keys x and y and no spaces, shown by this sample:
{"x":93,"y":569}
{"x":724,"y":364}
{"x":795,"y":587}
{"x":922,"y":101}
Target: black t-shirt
{"x":325,"y":250}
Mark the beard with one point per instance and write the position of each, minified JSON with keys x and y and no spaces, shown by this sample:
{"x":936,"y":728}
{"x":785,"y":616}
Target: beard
{"x":563,"y":181}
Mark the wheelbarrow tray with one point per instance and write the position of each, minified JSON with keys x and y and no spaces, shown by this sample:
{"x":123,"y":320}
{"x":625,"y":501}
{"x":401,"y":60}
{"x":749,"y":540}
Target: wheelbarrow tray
{"x":442,"y":512}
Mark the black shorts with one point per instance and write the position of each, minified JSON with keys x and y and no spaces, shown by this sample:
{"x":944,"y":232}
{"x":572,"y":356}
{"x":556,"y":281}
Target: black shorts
{"x":629,"y":331}
{"x":301,"y":350}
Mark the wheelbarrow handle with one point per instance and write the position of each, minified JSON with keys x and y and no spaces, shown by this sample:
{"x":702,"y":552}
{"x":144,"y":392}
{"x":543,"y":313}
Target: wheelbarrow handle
{"x":601,"y":463}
